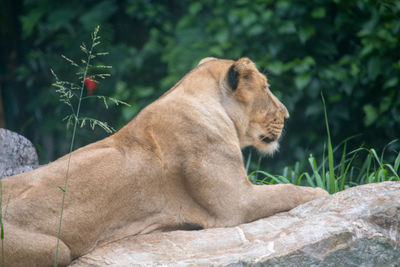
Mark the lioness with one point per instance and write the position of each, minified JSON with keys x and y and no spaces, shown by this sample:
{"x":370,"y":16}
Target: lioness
{"x":177,"y":165}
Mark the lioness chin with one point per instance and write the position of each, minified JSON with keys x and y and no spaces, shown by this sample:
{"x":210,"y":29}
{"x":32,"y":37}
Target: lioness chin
{"x":176,"y":165}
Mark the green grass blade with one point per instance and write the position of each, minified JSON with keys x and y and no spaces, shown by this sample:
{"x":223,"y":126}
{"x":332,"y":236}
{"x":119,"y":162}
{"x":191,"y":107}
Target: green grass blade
{"x":370,"y":178}
{"x":252,"y":177}
{"x":364,"y":172}
{"x":334,"y":187}
{"x":381,"y":175}
{"x":369,"y":162}
{"x":396,"y":175}
{"x":342,"y":161}
{"x":285,"y":172}
{"x":386,"y":146}
{"x":296,"y":167}
{"x":277,"y":178}
{"x":331,"y":184}
{"x":248,"y":162}
{"x":344,"y":175}
{"x":308,"y":178}
{"x":265,"y":180}
{"x":373,"y":152}
{"x":317,"y":177}
{"x":350,"y":180}
{"x":397,"y":163}
{"x":280,"y":179}
{"x":339,"y":146}
{"x":258,"y":165}
{"x":323,"y":172}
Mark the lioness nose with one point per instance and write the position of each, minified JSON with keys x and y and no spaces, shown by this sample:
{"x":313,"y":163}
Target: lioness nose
{"x":281,"y":107}
{"x":285,"y":112}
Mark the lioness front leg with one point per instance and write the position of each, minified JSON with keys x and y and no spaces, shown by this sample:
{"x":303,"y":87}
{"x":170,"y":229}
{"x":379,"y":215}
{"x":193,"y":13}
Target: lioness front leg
{"x":230,"y":199}
{"x":266,"y":200}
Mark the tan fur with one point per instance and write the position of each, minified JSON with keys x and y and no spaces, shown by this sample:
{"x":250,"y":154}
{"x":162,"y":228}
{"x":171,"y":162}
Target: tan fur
{"x":177,"y":165}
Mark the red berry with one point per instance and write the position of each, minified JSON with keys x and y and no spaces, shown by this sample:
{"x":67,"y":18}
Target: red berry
{"x":91,"y":85}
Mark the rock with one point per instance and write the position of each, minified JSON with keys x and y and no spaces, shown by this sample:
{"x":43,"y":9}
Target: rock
{"x":17,"y":154}
{"x":357,"y":227}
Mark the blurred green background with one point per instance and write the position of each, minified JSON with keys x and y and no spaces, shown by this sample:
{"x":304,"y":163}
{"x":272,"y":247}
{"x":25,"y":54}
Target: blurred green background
{"x":347,"y":49}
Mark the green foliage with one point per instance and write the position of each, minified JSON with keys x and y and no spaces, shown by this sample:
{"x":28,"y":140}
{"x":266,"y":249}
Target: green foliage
{"x":347,"y":49}
{"x":49,"y":29}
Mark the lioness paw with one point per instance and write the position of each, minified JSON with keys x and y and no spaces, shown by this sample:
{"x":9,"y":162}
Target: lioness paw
{"x":319,"y":192}
{"x":310,"y":193}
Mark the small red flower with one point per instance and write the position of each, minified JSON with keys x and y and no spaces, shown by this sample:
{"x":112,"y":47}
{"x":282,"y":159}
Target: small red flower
{"x":91,"y":85}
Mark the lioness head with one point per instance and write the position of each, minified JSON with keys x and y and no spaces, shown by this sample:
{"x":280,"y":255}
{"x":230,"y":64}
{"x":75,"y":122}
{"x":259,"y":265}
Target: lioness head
{"x":258,"y":115}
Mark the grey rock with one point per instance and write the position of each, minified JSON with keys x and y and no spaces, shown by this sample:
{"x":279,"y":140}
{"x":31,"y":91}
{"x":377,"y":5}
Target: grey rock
{"x":356,"y":227}
{"x":17,"y":154}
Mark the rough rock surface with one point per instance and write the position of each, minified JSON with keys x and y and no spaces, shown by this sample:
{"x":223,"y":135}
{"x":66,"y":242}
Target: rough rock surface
{"x":357,"y":227}
{"x":17,"y":154}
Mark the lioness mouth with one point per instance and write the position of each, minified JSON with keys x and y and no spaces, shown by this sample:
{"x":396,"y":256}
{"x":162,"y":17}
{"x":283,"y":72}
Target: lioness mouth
{"x":267,"y":139}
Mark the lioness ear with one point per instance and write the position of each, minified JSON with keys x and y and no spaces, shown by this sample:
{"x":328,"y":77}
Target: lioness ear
{"x":206,"y":59}
{"x":241,"y":69}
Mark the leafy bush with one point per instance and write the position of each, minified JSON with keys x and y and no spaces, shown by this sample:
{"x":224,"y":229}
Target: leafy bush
{"x":346,"y":49}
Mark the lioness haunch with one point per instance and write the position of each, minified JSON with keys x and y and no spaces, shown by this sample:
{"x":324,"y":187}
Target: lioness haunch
{"x":177,"y":164}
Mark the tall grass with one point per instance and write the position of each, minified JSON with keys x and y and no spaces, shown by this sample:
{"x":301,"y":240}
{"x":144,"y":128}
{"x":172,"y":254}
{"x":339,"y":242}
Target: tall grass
{"x":359,"y":166}
{"x":72,"y":94}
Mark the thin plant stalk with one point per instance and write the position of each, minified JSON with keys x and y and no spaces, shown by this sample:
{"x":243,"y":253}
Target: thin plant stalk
{"x":1,"y":222}
{"x":64,"y":189}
